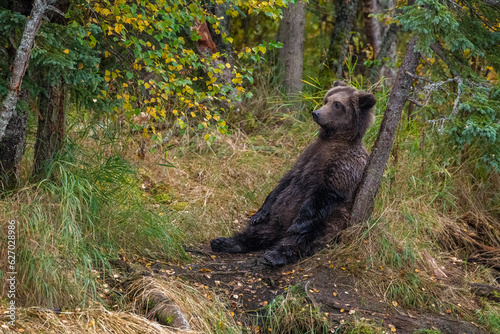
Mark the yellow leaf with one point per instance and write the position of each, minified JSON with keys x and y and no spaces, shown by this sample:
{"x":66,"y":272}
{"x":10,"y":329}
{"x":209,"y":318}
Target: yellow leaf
{"x":395,"y":303}
{"x":107,"y":73}
{"x":206,"y":137}
{"x":80,"y":66}
{"x":107,"y":78}
{"x":125,"y":85}
{"x":193,"y":114}
{"x":119,"y":28}
{"x":66,"y":51}
{"x":147,"y":85}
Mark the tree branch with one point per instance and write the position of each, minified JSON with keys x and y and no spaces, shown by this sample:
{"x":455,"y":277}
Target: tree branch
{"x":21,"y":62}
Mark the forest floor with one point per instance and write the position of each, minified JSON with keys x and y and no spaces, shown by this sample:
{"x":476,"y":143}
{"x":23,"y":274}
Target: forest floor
{"x":248,"y":285}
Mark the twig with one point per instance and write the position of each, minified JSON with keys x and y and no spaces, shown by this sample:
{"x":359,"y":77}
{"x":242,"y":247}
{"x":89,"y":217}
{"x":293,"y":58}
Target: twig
{"x":415,"y":102}
{"x":438,"y":273}
{"x":414,"y":76}
{"x":55,"y":10}
{"x":309,"y":295}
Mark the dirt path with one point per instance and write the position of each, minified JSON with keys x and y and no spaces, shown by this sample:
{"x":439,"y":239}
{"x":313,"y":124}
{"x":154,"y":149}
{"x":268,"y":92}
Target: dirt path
{"x":249,"y":285}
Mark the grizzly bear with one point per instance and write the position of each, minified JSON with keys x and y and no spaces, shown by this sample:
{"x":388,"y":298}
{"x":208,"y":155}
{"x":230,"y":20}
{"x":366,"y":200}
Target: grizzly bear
{"x":311,"y":203}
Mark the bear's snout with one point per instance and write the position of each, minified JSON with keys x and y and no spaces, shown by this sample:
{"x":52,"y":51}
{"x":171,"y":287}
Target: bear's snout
{"x":316,"y":116}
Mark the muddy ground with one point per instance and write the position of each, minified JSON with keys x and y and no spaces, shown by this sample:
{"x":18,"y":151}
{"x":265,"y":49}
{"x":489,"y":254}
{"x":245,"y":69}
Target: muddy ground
{"x":249,"y":285}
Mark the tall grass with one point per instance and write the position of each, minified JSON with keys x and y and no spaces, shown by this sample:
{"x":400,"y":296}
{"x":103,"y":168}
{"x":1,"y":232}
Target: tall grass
{"x":87,"y":212}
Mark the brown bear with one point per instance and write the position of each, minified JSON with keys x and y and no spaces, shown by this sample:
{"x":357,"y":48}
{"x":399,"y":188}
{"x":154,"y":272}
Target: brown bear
{"x":311,"y":203}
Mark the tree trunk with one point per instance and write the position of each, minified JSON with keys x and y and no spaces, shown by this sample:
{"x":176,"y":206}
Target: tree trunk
{"x":372,"y":176}
{"x":291,"y":34}
{"x":345,"y":13}
{"x":21,"y":63}
{"x":12,"y":151}
{"x":387,"y":51}
{"x":220,"y":12}
{"x":207,"y":48}
{"x":51,"y":129}
{"x":372,"y":26}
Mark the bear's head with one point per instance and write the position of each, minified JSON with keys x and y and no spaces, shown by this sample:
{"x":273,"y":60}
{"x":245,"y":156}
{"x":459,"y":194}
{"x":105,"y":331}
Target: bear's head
{"x":347,"y":112}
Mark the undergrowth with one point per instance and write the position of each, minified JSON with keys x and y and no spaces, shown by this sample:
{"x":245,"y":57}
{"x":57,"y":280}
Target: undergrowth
{"x":87,"y":212}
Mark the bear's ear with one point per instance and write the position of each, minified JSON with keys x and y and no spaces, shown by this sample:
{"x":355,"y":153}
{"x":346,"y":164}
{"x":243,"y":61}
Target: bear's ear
{"x":366,"y":101}
{"x":339,"y":83}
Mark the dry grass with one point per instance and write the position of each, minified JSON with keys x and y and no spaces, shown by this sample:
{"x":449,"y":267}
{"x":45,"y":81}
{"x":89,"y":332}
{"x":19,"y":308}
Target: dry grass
{"x":204,"y":310}
{"x":219,"y":185}
{"x":95,"y":320}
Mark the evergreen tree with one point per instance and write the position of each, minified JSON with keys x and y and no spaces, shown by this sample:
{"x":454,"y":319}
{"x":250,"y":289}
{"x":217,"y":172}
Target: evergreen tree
{"x":459,"y":90}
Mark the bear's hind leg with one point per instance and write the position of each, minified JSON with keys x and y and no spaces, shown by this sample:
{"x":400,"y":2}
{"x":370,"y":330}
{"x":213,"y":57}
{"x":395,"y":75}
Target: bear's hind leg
{"x":253,"y":238}
{"x":286,"y":252}
{"x":226,"y":245}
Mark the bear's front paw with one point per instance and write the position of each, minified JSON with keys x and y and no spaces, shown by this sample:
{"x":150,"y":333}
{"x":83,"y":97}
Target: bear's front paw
{"x":276,"y":258}
{"x":227,"y":245}
{"x":259,"y":217}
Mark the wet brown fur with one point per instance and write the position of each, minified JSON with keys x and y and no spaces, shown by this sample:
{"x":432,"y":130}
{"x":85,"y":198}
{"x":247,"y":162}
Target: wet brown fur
{"x":310,"y":205}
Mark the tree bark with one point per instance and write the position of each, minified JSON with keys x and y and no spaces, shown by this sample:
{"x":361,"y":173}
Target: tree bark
{"x":372,"y":26}
{"x":372,"y":176}
{"x":387,"y":51}
{"x":291,"y":34}
{"x":21,"y":62}
{"x":51,"y":129}
{"x":220,"y":12}
{"x":12,"y":151}
{"x":345,"y":13}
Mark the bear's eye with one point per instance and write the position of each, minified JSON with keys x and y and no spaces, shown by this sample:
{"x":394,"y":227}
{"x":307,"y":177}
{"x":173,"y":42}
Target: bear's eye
{"x":337,"y":105}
